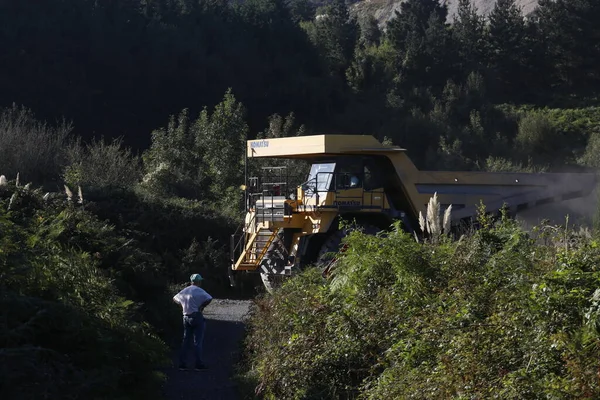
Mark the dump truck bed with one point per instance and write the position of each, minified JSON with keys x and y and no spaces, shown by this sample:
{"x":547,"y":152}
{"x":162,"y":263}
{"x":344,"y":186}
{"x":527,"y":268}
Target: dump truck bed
{"x":520,"y":191}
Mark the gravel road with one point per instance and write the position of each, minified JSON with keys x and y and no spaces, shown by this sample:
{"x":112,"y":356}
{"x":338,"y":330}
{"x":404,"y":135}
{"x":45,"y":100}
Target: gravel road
{"x":222,"y":344}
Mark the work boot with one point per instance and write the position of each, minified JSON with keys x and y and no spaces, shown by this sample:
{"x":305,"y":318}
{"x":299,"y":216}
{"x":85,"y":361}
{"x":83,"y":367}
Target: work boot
{"x":200,"y":367}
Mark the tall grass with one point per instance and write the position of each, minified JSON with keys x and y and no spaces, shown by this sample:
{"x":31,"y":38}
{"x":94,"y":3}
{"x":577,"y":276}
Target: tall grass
{"x":29,"y":147}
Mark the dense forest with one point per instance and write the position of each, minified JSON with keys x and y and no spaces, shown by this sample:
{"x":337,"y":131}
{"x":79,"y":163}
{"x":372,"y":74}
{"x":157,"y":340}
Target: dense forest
{"x":122,"y":131}
{"x":120,"y":68}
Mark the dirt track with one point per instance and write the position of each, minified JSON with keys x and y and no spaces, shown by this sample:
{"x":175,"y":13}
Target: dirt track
{"x":224,"y":332}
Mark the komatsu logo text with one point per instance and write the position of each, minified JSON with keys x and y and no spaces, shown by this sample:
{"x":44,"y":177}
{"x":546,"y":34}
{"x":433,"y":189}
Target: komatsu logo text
{"x":346,"y":203}
{"x":260,"y":143}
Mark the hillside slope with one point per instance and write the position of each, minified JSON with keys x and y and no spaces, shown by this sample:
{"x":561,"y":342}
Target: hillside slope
{"x":383,"y":10}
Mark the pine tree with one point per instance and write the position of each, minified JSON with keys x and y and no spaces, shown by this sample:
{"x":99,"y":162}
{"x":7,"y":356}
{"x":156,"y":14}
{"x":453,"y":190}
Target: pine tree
{"x":364,"y":75}
{"x":370,"y":34}
{"x":507,"y":52}
{"x":468,"y":33}
{"x":571,"y":28}
{"x":422,"y":43}
{"x":301,"y":10}
{"x":439,"y":51}
{"x":335,"y":33}
{"x":413,"y":20}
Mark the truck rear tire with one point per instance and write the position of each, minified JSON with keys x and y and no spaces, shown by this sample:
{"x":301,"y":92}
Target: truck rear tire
{"x":271,"y":282}
{"x":273,"y":265}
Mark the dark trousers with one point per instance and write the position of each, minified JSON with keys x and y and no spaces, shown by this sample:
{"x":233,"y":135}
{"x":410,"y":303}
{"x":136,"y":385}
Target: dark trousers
{"x":193,"y":328}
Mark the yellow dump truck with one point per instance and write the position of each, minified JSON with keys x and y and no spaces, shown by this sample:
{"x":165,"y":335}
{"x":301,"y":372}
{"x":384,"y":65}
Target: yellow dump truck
{"x":357,"y":178}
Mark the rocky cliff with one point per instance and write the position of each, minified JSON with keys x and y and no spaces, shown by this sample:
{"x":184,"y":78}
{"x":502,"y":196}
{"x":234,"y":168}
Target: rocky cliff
{"x":383,"y":10}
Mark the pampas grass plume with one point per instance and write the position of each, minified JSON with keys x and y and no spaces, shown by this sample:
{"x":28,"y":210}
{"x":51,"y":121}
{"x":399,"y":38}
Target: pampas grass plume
{"x":447,"y":219}
{"x":433,"y":215}
{"x":69,"y":193}
{"x":422,"y":223}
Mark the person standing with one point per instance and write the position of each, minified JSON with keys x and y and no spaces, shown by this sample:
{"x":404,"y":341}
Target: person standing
{"x":193,"y":299}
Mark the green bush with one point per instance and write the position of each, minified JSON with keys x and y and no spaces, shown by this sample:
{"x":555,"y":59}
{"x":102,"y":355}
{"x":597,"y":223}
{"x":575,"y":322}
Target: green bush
{"x":591,"y":155}
{"x":537,"y":138}
{"x":494,"y":314}
{"x":184,"y":235}
{"x":576,"y":123}
{"x":70,"y":325}
{"x":29,"y":147}
{"x":555,"y":136}
{"x":499,"y":164}
{"x":101,"y":165}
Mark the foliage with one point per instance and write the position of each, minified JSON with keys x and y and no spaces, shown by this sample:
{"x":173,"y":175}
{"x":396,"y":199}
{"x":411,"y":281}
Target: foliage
{"x":223,"y":142}
{"x":419,"y":36}
{"x":537,"y":138}
{"x":101,"y":165}
{"x":576,"y":123}
{"x":574,"y":51}
{"x":506,"y":34}
{"x":591,"y":157}
{"x":495,"y":313}
{"x":334,"y":33}
{"x":155,"y":224}
{"x":30,"y":147}
{"x":71,"y":305}
{"x":499,"y":164}
{"x":549,"y":133}
{"x":468,"y":32}
{"x":301,"y":10}
{"x":336,"y":71}
{"x":120,"y":69}
{"x":200,"y":158}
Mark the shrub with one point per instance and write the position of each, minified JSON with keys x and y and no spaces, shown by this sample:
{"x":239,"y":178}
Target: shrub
{"x":154,"y":224}
{"x":591,"y":156}
{"x":537,"y":138}
{"x":494,"y":314}
{"x":101,"y":165}
{"x":173,"y":164}
{"x":568,"y":132}
{"x":70,"y":325}
{"x":30,"y":147}
{"x":499,"y":164}
{"x":577,"y":125}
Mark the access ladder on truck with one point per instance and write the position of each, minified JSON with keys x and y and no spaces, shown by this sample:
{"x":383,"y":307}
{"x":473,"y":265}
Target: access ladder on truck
{"x":258,"y":236}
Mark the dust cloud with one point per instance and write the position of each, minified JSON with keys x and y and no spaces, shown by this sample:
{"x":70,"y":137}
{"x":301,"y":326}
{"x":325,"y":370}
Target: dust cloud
{"x":580,"y":211}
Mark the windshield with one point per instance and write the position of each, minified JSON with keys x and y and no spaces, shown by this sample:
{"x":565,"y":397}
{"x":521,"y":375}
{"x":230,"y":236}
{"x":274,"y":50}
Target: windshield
{"x":320,"y":176}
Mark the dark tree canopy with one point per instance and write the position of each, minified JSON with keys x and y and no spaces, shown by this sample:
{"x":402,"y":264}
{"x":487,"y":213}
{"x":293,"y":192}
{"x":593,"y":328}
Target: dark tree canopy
{"x":121,"y":68}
